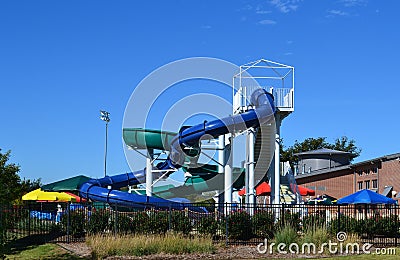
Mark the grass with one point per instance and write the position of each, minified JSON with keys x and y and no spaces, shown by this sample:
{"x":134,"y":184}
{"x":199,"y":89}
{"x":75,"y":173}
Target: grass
{"x":45,"y":251}
{"x":140,"y":245}
{"x":286,"y":235}
{"x":367,"y":256}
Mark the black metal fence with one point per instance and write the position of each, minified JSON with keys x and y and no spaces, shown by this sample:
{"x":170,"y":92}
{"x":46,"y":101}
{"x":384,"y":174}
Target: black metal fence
{"x":228,"y":223}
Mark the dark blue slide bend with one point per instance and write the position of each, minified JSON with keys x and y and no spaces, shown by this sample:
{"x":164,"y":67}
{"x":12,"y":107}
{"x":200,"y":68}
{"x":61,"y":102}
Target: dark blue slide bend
{"x":188,"y":137}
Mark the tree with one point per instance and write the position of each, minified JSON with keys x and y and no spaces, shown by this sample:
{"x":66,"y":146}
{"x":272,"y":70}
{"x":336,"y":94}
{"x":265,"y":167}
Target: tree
{"x":11,"y":186}
{"x":9,"y":180}
{"x":341,"y":144}
{"x":26,"y":185}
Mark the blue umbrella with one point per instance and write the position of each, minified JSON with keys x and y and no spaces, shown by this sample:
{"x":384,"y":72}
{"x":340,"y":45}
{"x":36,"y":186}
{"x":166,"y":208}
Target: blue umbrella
{"x":366,"y":197}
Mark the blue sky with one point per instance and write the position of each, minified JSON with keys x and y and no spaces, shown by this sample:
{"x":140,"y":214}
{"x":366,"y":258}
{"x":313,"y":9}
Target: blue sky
{"x":63,"y":61}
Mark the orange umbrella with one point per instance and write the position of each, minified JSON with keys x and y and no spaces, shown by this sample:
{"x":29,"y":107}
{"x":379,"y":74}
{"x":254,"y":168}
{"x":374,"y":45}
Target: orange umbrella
{"x":261,"y":190}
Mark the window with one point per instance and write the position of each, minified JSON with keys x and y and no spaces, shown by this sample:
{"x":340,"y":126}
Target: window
{"x":375,"y":170}
{"x":366,"y":171}
{"x":367,"y":184}
{"x":360,"y":185}
{"x":374,"y":184}
{"x":359,"y":173}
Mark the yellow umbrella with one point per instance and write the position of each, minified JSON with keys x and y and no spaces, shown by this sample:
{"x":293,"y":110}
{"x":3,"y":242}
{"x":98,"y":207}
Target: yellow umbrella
{"x":39,"y":195}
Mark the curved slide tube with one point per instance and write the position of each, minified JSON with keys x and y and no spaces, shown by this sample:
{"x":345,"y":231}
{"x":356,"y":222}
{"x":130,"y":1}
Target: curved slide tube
{"x":96,"y":189}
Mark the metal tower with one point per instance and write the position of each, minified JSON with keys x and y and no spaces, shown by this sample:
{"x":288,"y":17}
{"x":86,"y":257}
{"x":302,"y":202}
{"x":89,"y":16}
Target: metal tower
{"x":277,"y":79}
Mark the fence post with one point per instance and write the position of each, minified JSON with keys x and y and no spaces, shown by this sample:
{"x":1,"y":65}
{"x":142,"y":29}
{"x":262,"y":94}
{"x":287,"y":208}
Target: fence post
{"x":282,"y":214}
{"x":397,"y":223}
{"x":226,"y":224}
{"x":169,"y":217}
{"x":29,"y":219}
{"x":338,"y":210}
{"x":115,"y":220}
{"x":68,"y":210}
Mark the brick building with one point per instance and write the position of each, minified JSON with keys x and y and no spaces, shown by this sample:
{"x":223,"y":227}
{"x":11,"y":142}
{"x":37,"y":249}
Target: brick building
{"x":380,"y":174}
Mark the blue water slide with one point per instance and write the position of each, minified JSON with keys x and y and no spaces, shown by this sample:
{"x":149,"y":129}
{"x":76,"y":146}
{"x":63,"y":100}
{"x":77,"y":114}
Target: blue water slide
{"x":188,"y":138}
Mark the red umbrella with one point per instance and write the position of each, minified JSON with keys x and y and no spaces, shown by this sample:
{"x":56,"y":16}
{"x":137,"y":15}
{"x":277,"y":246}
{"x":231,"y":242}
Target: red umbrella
{"x":305,"y":191}
{"x":78,"y":199}
{"x":261,"y":190}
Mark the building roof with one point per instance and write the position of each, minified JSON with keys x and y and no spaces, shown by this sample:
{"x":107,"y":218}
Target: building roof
{"x":384,"y":158}
{"x":395,"y":156}
{"x":323,"y":151}
{"x":322,"y":171}
{"x":70,"y":184}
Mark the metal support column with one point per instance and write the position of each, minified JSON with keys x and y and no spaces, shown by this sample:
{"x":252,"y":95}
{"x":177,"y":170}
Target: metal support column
{"x":276,"y":199}
{"x":250,"y":166}
{"x":221,"y":153}
{"x":252,"y":196}
{"x":221,"y":160}
{"x":149,"y":173}
{"x":246,"y":174}
{"x":228,"y":170}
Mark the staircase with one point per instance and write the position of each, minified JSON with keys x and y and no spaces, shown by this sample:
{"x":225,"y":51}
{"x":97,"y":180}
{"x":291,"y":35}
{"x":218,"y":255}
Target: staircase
{"x":287,"y":196}
{"x":264,"y":151}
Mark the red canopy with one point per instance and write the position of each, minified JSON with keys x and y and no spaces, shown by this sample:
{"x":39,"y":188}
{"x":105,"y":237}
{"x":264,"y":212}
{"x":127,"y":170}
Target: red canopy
{"x":305,"y":191}
{"x":261,"y":190}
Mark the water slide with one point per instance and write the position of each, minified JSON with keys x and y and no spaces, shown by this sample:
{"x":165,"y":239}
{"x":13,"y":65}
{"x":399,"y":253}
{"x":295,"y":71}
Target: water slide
{"x":106,"y":189}
{"x":198,"y":182}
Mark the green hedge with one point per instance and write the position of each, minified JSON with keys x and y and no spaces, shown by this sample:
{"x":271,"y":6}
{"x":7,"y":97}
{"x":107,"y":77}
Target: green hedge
{"x":375,"y":226}
{"x":74,"y":222}
{"x":99,"y":221}
{"x":239,"y":225}
{"x":263,"y":223}
{"x":208,"y":226}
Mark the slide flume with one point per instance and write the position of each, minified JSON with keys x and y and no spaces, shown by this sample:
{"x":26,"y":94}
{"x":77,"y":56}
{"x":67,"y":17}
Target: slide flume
{"x":106,"y":189}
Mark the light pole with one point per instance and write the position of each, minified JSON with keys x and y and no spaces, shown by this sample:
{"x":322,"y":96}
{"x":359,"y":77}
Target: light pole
{"x":105,"y":116}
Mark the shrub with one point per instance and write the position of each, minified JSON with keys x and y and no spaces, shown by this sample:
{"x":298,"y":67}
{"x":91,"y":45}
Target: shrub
{"x":207,"y":226}
{"x":180,"y":222}
{"x":313,"y":222}
{"x":157,"y":222}
{"x":290,"y":219}
{"x":239,"y":225}
{"x":347,"y":224}
{"x":387,"y":226}
{"x":317,"y":236}
{"x":286,"y":235}
{"x":76,"y":223}
{"x":263,"y":223}
{"x":99,"y":221}
{"x":3,"y":230}
{"x":384,"y":226}
{"x":124,"y":224}
{"x":139,"y":223}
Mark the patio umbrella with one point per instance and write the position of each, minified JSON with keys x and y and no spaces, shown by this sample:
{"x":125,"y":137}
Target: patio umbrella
{"x":77,"y":198}
{"x":261,"y":190}
{"x":40,"y":195}
{"x":305,"y":191}
{"x":366,"y":197}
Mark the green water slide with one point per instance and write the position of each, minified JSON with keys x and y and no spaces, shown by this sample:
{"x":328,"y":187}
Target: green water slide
{"x":139,"y":138}
{"x":204,"y":178}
